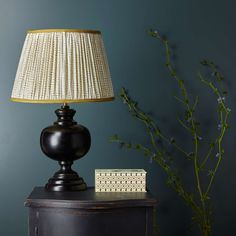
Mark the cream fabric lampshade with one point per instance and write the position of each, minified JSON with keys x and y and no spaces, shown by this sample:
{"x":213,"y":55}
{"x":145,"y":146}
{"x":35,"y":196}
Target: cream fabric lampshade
{"x":62,"y":66}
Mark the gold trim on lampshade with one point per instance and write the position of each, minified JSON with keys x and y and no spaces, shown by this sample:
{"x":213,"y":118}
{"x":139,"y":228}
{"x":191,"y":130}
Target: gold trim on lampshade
{"x":63,"y":30}
{"x":63,"y":66}
{"x":62,"y":101}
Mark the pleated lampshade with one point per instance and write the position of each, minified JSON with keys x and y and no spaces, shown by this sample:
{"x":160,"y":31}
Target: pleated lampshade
{"x":62,"y":66}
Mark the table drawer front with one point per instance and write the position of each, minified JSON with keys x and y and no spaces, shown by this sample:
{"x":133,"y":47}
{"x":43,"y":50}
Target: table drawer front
{"x":75,"y":222}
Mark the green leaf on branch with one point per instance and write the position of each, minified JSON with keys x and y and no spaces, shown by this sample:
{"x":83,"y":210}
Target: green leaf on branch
{"x":137,"y":146}
{"x":114,"y":138}
{"x":211,"y":173}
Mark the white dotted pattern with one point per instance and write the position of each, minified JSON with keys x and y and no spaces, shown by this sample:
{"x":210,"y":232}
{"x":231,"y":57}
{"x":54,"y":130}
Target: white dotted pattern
{"x":120,"y":181}
{"x":63,"y":66}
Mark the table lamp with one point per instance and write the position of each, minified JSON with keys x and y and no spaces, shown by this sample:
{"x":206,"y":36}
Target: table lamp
{"x":63,"y":66}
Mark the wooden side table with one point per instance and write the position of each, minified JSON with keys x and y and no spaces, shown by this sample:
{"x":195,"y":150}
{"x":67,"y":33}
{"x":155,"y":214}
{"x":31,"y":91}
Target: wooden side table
{"x":88,"y":213}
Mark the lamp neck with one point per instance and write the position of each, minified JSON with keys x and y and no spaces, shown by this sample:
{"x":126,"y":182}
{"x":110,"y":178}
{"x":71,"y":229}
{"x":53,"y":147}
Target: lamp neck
{"x":65,"y":104}
{"x":65,"y":115}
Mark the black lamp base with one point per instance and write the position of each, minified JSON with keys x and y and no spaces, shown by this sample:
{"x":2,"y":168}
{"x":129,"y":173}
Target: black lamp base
{"x":66,"y":179}
{"x":65,"y":141}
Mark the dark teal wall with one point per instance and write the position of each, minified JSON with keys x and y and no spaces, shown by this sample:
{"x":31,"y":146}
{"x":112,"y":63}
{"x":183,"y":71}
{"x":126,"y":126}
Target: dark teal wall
{"x":199,"y":29}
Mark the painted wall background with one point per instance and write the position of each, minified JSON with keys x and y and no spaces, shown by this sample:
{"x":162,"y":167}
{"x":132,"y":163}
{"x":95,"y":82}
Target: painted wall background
{"x":198,"y":29}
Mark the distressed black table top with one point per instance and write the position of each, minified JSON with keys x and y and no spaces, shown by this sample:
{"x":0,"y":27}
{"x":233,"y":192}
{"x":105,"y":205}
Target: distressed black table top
{"x":89,"y":199}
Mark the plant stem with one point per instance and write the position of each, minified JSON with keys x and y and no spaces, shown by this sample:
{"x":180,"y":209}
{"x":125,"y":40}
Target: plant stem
{"x":193,"y":127}
{"x":198,"y":202}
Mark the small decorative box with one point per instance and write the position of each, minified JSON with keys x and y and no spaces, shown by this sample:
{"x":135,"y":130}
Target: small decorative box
{"x":120,"y":180}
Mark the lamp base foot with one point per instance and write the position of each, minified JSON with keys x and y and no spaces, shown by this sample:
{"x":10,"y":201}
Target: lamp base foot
{"x":66,"y":180}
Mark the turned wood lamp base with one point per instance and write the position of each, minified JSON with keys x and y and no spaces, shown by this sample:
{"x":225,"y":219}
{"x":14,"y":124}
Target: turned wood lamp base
{"x":65,"y":141}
